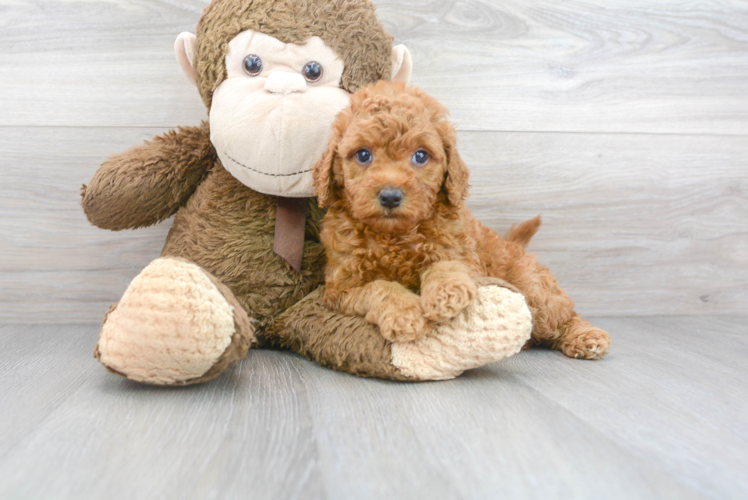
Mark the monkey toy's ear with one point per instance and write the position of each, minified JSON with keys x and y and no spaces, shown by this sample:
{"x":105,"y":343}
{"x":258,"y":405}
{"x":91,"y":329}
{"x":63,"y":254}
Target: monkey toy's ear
{"x":184,"y":48}
{"x":402,"y":64}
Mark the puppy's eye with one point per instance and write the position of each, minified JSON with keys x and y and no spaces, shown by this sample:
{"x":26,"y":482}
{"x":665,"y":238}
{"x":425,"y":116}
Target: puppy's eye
{"x":253,"y":65}
{"x":420,"y":158}
{"x":312,"y":71}
{"x":364,"y":156}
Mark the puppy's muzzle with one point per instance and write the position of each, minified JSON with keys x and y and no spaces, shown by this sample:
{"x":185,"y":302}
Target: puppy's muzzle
{"x":390,"y":197}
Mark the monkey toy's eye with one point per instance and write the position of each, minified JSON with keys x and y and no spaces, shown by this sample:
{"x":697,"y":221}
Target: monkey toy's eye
{"x":312,"y":71}
{"x":364,"y":156}
{"x":421,"y":158}
{"x":253,"y":65}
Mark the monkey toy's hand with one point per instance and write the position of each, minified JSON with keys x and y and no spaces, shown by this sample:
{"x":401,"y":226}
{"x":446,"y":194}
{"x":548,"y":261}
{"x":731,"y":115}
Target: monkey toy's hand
{"x":148,"y":183}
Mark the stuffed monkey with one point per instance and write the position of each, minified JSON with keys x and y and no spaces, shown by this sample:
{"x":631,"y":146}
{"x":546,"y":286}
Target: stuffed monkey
{"x":242,"y":264}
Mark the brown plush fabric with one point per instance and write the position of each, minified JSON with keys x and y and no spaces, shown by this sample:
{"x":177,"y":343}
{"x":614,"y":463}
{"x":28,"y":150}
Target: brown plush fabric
{"x":148,"y":183}
{"x":96,"y":352}
{"x":346,"y":343}
{"x":337,"y":22}
{"x":228,"y":230}
{"x":350,"y":344}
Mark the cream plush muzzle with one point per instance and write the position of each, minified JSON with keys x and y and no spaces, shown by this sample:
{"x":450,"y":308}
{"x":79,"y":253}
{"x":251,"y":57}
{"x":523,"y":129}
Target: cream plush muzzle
{"x":269,"y":130}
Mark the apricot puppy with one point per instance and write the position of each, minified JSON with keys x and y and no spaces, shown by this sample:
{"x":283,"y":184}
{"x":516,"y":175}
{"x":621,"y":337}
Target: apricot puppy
{"x":402,"y":247}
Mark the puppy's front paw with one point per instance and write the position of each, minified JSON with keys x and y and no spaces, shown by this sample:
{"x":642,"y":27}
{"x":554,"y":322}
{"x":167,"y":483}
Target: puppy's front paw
{"x":402,"y":321}
{"x":444,"y":299}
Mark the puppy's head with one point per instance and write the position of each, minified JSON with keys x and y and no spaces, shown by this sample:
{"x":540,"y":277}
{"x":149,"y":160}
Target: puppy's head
{"x":392,"y":158}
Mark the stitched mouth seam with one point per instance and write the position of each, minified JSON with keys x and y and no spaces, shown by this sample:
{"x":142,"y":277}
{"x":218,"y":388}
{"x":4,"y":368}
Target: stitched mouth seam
{"x":265,"y":173}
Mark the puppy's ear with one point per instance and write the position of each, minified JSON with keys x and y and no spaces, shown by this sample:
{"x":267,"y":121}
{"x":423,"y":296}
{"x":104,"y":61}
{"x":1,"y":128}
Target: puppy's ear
{"x":456,"y":179}
{"x":324,"y":185}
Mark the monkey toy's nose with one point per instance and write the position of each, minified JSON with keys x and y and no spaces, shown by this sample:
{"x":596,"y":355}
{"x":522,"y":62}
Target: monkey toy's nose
{"x":390,"y":197}
{"x":281,"y":82}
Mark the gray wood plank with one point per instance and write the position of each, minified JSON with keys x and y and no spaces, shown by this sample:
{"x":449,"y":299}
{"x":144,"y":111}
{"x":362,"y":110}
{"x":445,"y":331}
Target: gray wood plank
{"x":277,"y":426}
{"x":47,"y":247}
{"x":133,"y":441}
{"x":98,"y":64}
{"x":618,"y":66}
{"x":673,"y":392}
{"x":631,"y":225}
{"x":626,"y":66}
{"x":485,"y":435}
{"x":38,"y":374}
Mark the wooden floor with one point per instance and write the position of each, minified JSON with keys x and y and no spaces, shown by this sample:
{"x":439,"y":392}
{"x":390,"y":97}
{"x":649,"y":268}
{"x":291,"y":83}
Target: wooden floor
{"x":624,"y":122}
{"x":664,"y":416}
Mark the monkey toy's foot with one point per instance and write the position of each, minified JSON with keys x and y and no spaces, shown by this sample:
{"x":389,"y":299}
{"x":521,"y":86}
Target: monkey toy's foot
{"x":494,"y":326}
{"x":175,"y":325}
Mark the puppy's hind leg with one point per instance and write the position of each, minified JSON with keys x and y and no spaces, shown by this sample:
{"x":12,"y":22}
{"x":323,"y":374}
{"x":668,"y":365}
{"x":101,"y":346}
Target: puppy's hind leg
{"x":555,"y":324}
{"x":579,"y":339}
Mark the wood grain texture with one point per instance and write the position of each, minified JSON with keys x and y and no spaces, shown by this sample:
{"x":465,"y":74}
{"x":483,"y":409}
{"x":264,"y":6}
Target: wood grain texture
{"x":618,"y":66}
{"x":49,"y":253}
{"x":662,"y":417}
{"x":631,"y":226}
{"x":625,"y":66}
{"x":97,"y":63}
{"x":623,"y":124}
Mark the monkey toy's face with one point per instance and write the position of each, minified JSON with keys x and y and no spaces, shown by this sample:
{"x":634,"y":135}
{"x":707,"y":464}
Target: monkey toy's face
{"x":271,"y":116}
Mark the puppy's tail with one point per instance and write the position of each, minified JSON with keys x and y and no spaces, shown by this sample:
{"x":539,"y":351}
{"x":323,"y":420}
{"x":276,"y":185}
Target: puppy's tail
{"x":522,"y":233}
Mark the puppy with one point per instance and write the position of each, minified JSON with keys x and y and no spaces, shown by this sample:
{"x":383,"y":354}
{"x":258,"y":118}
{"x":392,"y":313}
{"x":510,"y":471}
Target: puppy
{"x":402,"y":247}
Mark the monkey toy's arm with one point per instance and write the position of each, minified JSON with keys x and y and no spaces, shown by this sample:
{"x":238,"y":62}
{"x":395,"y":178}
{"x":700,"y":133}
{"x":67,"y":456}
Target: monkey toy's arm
{"x":148,"y":183}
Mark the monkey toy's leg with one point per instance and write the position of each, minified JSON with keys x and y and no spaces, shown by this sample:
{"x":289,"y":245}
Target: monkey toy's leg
{"x":494,"y":326}
{"x":555,"y":324}
{"x":175,"y":325}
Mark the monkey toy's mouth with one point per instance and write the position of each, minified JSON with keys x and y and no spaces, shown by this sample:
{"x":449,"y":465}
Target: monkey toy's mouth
{"x":269,"y":174}
{"x":271,"y":142}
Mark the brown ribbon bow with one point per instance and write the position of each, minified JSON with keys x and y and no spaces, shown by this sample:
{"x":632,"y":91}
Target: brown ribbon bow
{"x":290,"y":221}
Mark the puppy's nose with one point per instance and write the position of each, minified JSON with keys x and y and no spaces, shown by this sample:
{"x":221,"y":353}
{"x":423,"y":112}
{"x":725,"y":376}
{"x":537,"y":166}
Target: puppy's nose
{"x":390,"y":197}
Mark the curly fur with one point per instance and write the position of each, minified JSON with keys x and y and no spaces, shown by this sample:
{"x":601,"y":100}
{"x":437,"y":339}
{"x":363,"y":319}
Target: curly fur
{"x":406,"y":267}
